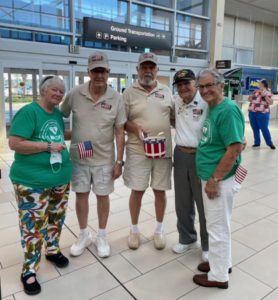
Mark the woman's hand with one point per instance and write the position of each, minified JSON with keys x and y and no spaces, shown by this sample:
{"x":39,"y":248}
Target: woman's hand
{"x":56,"y":147}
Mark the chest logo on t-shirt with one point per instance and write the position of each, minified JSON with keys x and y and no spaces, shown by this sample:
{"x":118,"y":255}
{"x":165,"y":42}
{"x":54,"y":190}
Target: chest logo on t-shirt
{"x":159,"y":95}
{"x":51,"y":132}
{"x":54,"y":130}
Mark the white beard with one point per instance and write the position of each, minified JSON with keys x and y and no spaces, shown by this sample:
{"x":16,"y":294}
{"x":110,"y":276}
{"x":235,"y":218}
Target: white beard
{"x":147,"y":81}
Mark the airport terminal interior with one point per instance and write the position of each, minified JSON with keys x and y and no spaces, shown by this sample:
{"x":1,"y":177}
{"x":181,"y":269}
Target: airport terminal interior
{"x":56,"y":37}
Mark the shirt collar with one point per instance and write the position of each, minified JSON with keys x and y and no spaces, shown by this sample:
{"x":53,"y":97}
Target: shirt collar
{"x":194,"y":102}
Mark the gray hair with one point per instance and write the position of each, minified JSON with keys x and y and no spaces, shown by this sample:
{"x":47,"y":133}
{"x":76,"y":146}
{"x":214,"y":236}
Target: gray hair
{"x":49,"y":80}
{"x":213,"y":72}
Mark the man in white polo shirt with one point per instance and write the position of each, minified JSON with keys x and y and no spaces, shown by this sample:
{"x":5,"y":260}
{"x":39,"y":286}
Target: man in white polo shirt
{"x":98,"y":115}
{"x":148,"y":106}
{"x":190,"y":113}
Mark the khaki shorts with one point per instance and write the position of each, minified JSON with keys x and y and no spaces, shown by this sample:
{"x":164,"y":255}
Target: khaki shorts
{"x":141,"y":172}
{"x":99,"y":178}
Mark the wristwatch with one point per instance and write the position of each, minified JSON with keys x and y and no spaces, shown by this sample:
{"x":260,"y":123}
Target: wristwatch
{"x":215,"y":179}
{"x":120,"y":162}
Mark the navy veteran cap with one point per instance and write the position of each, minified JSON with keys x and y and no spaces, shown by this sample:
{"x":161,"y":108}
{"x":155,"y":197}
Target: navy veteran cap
{"x":184,"y":75}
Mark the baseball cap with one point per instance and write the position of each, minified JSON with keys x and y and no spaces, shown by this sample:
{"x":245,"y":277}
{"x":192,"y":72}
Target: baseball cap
{"x":148,"y":56}
{"x":184,"y":75}
{"x":98,"y":59}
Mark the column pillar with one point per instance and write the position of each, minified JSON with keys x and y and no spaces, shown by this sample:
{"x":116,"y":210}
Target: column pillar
{"x":2,"y":108}
{"x":216,"y":31}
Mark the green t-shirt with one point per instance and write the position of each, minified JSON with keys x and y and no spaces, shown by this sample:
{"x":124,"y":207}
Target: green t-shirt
{"x":34,"y":170}
{"x":224,"y":126}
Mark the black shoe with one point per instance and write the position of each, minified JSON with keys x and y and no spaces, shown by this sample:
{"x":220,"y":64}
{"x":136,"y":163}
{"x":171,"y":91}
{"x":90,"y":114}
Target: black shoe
{"x":59,"y":260}
{"x":256,"y":146}
{"x":272,"y":147}
{"x":30,"y":288}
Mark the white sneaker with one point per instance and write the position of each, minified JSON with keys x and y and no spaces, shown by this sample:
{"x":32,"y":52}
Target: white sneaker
{"x":103,"y":248}
{"x":83,"y":241}
{"x":205,"y":256}
{"x":182,"y":248}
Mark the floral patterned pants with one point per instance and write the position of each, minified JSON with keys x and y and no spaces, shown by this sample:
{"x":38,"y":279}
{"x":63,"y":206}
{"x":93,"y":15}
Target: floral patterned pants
{"x":42,"y":214}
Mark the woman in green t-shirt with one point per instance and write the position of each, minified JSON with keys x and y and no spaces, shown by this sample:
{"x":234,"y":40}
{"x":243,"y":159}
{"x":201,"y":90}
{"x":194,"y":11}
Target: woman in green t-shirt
{"x":41,"y":174}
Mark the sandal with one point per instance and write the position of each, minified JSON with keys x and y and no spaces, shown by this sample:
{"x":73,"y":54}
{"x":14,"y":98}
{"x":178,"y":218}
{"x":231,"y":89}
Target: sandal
{"x":30,"y":288}
{"x":58,"y":259}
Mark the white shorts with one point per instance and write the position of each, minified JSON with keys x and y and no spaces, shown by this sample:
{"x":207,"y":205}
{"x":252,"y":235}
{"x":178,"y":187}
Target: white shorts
{"x":99,"y":178}
{"x":141,"y":172}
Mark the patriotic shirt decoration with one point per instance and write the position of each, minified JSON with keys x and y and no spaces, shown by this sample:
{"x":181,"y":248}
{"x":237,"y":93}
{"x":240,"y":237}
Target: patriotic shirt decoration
{"x":85,"y":149}
{"x":155,"y":147}
{"x":240,"y":175}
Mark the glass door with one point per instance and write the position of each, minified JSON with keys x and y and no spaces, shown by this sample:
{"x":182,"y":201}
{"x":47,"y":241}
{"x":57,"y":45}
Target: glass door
{"x":20,"y":88}
{"x":117,"y":82}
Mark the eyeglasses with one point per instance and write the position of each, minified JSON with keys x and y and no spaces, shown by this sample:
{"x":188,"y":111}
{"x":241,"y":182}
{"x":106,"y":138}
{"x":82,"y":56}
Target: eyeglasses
{"x":207,"y":86}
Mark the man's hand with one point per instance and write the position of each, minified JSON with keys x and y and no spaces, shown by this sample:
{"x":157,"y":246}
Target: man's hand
{"x":117,"y":171}
{"x":135,"y":129}
{"x":212,"y":189}
{"x":141,"y":134}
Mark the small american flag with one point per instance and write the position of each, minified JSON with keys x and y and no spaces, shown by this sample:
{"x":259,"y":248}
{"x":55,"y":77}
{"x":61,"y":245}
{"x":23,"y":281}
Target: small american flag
{"x":240,"y":175}
{"x":85,"y":149}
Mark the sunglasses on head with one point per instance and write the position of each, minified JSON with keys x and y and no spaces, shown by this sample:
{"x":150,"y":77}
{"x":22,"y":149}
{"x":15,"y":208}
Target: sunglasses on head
{"x":46,"y":78}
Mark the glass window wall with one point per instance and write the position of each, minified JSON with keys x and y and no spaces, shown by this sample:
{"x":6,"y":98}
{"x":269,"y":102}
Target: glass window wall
{"x":53,"y":39}
{"x":165,"y":3}
{"x":111,"y":10}
{"x":102,"y":45}
{"x":197,"y":7}
{"x":191,"y":54}
{"x":151,"y":17}
{"x":191,"y":32}
{"x":53,"y":14}
{"x":16,"y":34}
{"x":244,"y":56}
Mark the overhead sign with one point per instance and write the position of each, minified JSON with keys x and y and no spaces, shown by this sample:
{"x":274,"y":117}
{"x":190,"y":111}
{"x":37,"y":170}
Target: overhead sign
{"x":223,"y":64}
{"x":105,"y":31}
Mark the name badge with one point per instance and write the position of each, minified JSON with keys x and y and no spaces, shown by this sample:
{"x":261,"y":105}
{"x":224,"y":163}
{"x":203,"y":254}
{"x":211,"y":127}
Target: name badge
{"x":104,"y":105}
{"x":197,"y":113}
{"x":159,"y":95}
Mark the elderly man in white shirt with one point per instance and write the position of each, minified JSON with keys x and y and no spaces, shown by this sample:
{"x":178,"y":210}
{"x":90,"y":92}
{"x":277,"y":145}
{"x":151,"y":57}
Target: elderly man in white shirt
{"x":190,"y":113}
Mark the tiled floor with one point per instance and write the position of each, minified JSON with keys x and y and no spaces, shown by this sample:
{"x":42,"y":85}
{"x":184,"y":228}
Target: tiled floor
{"x":148,"y":273}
